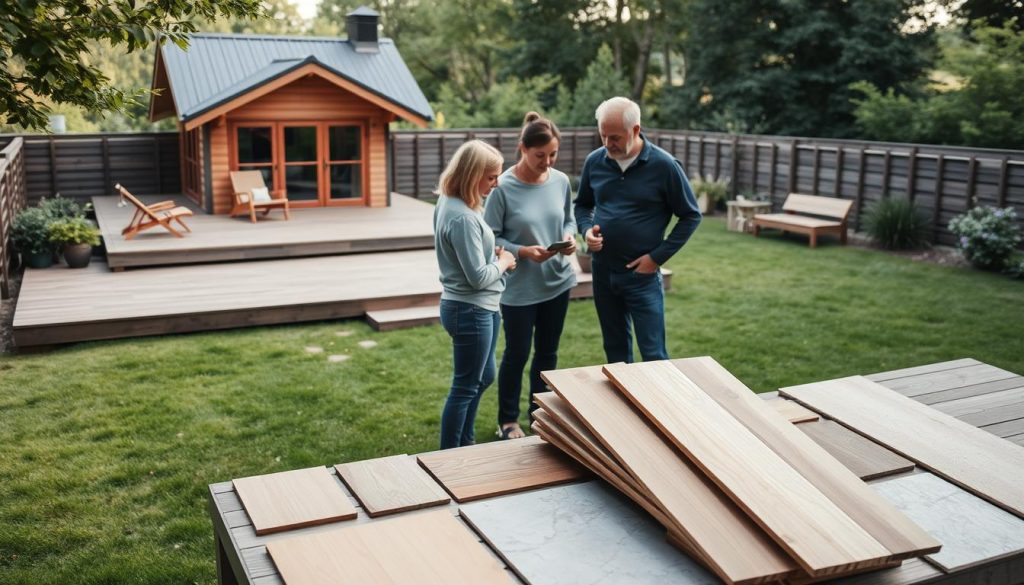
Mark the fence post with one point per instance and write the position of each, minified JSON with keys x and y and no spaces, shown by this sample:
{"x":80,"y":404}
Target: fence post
{"x":106,"y":162}
{"x":771,"y":177}
{"x":416,"y":165}
{"x":792,"y":166}
{"x":860,"y":186}
{"x":912,"y":175}
{"x":939,"y":183}
{"x":1003,"y":176}
{"x":972,"y":172}
{"x":815,"y":172}
{"x":734,"y":169}
{"x":886,"y":172}
{"x":840,"y":156}
{"x":753,"y":172}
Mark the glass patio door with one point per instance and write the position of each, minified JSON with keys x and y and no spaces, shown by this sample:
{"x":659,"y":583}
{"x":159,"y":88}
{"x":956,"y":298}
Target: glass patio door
{"x":344,"y":164}
{"x":301,"y":163}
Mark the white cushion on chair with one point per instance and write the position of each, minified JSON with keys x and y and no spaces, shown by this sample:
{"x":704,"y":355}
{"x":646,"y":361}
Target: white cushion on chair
{"x":260,"y":194}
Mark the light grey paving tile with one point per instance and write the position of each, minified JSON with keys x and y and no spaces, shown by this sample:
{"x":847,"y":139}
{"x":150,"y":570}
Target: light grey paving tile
{"x":970,"y":529}
{"x":583,"y":534}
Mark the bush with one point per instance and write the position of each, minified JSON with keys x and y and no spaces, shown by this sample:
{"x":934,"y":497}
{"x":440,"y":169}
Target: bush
{"x":73,"y":230}
{"x":987,"y":236}
{"x":713,"y":189}
{"x":62,"y":207}
{"x":30,"y":231}
{"x":897,"y":224}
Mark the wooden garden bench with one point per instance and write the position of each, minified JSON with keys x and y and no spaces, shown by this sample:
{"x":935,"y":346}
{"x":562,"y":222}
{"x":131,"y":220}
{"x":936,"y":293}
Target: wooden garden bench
{"x":157,"y":214}
{"x":808,"y":214}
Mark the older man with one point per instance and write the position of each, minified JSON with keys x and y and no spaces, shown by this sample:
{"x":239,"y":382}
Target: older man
{"x":629,"y":191}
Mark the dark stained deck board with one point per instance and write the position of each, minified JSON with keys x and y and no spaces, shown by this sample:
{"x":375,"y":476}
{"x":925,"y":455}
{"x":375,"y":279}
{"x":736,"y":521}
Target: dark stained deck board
{"x":406,"y":224}
{"x":862,"y":456}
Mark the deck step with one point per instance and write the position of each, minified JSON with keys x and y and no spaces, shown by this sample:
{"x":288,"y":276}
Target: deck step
{"x":391,"y":319}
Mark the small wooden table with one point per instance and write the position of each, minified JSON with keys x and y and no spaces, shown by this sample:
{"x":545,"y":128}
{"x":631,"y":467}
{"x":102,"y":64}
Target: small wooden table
{"x":242,"y":556}
{"x":740,"y":213}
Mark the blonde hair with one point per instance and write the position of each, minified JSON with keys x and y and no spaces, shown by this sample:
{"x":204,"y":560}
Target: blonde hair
{"x":466,"y":169}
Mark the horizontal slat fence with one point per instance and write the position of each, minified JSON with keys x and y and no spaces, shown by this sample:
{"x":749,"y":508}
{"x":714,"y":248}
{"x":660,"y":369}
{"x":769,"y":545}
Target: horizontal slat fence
{"x":942,"y":181}
{"x":12,"y":200}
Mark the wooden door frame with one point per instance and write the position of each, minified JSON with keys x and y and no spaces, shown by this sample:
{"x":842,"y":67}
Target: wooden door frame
{"x":323,"y":151}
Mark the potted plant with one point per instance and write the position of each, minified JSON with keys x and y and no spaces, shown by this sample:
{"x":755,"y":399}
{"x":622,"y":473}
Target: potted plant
{"x":30,"y":235}
{"x":76,"y":236}
{"x":709,"y":191}
{"x":583,"y":254}
{"x":59,"y":207}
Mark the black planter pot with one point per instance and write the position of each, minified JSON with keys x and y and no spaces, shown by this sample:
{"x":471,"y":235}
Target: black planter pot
{"x":77,"y":255}
{"x":38,"y":259}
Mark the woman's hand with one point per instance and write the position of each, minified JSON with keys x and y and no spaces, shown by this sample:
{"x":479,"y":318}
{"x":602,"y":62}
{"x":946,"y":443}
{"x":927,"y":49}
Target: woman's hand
{"x":506,"y":260}
{"x":535,"y":253}
{"x":571,"y":249}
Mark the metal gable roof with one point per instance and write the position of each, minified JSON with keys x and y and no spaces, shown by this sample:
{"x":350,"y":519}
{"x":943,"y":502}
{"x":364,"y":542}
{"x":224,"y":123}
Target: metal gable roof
{"x":219,"y":67}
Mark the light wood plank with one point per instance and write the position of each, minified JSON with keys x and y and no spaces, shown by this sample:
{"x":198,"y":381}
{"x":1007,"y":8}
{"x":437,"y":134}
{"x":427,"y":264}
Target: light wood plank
{"x":391,"y":484}
{"x":987,"y":409}
{"x":737,"y":549}
{"x":499,"y":467}
{"x":969,"y":457}
{"x":293,"y":499}
{"x":895,"y":532}
{"x":416,"y":549}
{"x":969,"y":391}
{"x":794,"y":412}
{"x":948,"y":379}
{"x":392,"y":319}
{"x":866,"y":459}
{"x":972,"y":531}
{"x":819,"y":535}
{"x":925,"y":369}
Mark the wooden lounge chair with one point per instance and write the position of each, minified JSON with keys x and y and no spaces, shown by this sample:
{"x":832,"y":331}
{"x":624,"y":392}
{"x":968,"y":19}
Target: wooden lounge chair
{"x":147,"y":216}
{"x":804,"y":214}
{"x":244,"y":182}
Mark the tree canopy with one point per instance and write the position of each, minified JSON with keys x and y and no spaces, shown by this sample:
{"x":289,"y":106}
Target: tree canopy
{"x":45,"y":46}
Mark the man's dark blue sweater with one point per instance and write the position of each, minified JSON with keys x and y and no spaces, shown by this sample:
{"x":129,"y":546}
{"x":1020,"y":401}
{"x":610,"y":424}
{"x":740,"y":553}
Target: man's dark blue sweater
{"x":633,"y":208}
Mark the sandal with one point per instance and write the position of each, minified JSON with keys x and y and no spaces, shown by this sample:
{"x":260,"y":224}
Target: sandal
{"x":510,"y":432}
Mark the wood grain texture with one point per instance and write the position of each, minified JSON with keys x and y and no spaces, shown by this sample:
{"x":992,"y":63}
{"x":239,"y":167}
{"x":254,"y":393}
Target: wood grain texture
{"x":431,"y":547}
{"x":792,"y":411}
{"x":894,"y":531}
{"x":293,"y":499}
{"x":737,"y":550}
{"x":818,"y":534}
{"x":965,"y":455}
{"x":499,"y":467}
{"x":391,"y":484}
{"x":866,"y":459}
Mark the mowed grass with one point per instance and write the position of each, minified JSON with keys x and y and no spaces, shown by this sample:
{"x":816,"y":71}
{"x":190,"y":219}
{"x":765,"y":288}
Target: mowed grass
{"x":107,"y":448}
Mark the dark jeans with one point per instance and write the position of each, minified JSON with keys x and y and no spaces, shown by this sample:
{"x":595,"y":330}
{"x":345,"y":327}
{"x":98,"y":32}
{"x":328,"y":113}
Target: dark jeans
{"x":474,"y":333}
{"x":625,"y":301}
{"x":542,"y":324}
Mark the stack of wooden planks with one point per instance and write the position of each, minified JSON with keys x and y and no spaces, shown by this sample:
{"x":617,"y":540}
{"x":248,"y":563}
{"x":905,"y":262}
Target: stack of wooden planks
{"x":735,"y":485}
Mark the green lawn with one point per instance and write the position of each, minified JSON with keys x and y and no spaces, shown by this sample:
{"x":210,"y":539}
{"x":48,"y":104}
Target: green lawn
{"x":107,"y":447}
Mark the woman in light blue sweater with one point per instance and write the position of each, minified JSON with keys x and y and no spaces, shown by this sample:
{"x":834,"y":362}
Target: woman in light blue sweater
{"x":529,"y":211}
{"x":472,"y":278}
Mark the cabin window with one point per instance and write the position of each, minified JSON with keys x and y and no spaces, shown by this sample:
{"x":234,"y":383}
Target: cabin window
{"x":345,"y":161}
{"x":256,"y":151}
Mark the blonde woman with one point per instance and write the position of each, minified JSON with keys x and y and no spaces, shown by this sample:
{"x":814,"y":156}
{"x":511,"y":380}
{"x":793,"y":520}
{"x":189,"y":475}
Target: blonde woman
{"x":472,"y":278}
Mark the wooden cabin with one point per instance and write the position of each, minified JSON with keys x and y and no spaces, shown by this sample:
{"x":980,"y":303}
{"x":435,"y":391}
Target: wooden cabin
{"x":311,"y":114}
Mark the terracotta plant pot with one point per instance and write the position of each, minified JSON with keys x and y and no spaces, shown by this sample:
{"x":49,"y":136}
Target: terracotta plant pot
{"x":584,"y":260}
{"x":77,"y":255}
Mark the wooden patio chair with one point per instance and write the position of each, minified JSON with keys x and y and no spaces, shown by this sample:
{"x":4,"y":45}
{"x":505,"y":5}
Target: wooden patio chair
{"x":147,"y":216}
{"x":246,"y":202}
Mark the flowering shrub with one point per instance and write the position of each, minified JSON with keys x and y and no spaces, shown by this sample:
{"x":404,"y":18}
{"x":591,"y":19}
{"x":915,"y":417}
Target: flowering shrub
{"x":987,"y":236}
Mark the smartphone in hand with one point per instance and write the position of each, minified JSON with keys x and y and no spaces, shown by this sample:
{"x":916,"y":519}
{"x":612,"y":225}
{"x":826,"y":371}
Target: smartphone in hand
{"x":559,"y":246}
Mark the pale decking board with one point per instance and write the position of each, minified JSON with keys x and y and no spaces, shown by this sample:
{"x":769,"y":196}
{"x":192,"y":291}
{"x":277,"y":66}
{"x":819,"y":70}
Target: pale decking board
{"x":499,"y":467}
{"x":792,"y":411}
{"x":816,"y":532}
{"x":866,"y":459}
{"x":406,"y":224}
{"x":392,"y":319}
{"x":970,"y":457}
{"x":925,"y":369}
{"x":425,"y":548}
{"x":897,"y":534}
{"x":292,"y":499}
{"x":987,"y":409}
{"x":389,"y":485}
{"x":948,"y":379}
{"x":736,"y":548}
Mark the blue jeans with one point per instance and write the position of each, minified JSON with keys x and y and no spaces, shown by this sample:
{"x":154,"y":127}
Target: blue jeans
{"x":627,"y":301}
{"x":474,"y":333}
{"x":540,"y":324}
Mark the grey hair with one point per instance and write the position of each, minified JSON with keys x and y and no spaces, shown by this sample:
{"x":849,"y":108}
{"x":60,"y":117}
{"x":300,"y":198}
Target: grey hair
{"x":630,"y":111}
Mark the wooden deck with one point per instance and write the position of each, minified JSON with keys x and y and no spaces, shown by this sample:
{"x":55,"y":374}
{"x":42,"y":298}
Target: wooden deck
{"x":60,"y":305}
{"x":962,"y":388}
{"x":406,"y":225}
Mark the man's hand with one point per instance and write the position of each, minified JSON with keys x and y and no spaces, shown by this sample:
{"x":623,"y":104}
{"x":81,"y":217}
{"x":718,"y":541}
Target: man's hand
{"x":595,"y":241}
{"x":644,"y":265}
{"x":536,"y":253}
